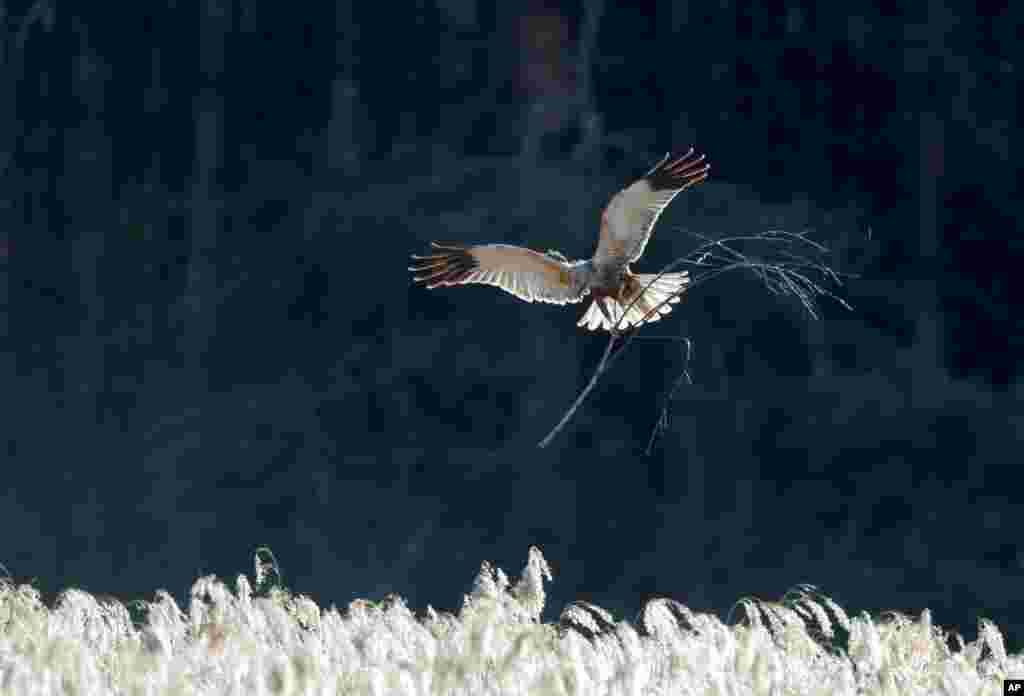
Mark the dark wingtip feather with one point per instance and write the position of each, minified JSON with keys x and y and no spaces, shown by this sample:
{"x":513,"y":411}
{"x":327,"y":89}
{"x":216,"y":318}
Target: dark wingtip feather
{"x":443,"y":269}
{"x":679,"y":173}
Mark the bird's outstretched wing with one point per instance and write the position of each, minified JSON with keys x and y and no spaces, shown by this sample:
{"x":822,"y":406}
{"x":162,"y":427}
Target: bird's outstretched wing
{"x":527,"y":274}
{"x":630,"y":215}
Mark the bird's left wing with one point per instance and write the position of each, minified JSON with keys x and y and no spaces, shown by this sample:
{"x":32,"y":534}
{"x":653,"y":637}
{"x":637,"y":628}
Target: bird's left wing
{"x":527,"y":274}
{"x":630,"y":215}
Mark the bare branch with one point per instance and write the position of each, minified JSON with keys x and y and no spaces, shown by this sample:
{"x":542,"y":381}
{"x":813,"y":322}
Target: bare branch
{"x":661,"y":425}
{"x":785,"y":274}
{"x":600,"y":370}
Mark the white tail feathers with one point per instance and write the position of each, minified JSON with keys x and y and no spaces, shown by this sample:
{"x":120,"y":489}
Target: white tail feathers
{"x":655,"y":302}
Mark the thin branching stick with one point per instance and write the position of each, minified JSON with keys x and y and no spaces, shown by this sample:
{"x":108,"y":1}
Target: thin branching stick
{"x":786,"y":275}
{"x":601,"y":368}
{"x":661,"y":425}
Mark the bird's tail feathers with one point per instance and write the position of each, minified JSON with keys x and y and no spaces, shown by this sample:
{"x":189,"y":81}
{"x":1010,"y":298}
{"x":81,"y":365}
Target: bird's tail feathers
{"x":659,"y":293}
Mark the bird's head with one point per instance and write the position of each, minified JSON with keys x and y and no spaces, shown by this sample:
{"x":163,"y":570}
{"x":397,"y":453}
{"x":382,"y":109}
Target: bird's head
{"x":555,"y":254}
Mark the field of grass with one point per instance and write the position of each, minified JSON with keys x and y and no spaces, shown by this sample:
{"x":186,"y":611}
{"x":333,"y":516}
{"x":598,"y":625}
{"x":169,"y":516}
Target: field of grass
{"x":258,"y":638}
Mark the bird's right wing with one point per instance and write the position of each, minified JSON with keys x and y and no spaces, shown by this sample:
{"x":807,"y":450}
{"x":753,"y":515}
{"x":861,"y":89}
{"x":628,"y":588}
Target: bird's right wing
{"x":630,"y":215}
{"x":527,"y":274}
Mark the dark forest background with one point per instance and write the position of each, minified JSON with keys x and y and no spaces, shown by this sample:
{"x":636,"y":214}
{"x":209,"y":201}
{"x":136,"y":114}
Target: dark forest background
{"x":210,"y":340}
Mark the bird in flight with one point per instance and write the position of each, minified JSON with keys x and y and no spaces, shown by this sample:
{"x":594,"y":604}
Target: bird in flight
{"x":626,"y":225}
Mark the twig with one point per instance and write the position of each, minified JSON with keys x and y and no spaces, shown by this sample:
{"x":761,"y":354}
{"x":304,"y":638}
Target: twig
{"x":661,"y":425}
{"x":602,"y":367}
{"x":785,"y":276}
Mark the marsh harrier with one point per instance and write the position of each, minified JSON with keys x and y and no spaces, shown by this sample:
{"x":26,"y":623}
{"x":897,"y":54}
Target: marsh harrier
{"x":626,"y":225}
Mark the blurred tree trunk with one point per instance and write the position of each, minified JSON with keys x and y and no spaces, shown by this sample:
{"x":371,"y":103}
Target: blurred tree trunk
{"x":85,"y":191}
{"x":86,"y":188}
{"x":921,"y":57}
{"x":590,"y":117}
{"x":930,"y":157}
{"x":202,"y":295}
{"x":557,"y":78}
{"x":14,"y":34}
{"x":345,"y":123}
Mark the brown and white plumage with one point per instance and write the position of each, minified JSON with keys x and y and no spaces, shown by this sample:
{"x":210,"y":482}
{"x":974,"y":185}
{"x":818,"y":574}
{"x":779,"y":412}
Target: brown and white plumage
{"x":626,"y":225}
{"x":629,"y":217}
{"x":527,"y":274}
